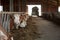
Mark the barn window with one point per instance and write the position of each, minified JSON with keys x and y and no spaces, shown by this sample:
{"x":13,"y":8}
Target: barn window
{"x":1,"y":8}
{"x":59,"y":9}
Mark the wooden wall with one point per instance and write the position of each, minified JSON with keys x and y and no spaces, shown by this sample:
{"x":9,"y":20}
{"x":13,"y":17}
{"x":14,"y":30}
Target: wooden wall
{"x":5,"y":4}
{"x":20,"y":5}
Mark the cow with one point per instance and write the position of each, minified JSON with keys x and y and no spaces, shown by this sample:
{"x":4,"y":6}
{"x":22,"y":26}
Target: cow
{"x":3,"y":34}
{"x":16,"y":20}
{"x":20,"y":20}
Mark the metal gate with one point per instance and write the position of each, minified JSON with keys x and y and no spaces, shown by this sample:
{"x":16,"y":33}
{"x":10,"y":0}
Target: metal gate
{"x":5,"y":19}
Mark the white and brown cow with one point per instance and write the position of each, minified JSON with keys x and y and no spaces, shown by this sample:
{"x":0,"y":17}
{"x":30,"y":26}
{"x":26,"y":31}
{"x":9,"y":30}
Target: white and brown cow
{"x":20,"y":20}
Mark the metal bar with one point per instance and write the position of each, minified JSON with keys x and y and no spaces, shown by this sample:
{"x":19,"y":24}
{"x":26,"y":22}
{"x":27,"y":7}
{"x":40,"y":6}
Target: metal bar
{"x":8,"y":23}
{"x":11,"y":12}
{"x":6,"y":19}
{"x":4,"y":23}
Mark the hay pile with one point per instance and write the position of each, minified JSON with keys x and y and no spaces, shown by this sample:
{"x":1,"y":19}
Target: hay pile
{"x":27,"y":33}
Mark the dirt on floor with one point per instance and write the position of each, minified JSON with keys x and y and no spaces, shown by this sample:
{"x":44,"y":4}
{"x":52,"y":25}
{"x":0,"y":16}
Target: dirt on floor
{"x":30,"y":32}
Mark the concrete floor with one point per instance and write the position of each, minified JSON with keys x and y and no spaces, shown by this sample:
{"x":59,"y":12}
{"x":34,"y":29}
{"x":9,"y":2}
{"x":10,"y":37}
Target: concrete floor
{"x":48,"y":30}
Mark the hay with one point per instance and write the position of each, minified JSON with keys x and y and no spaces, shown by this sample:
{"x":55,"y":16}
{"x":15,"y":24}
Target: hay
{"x":30,"y":32}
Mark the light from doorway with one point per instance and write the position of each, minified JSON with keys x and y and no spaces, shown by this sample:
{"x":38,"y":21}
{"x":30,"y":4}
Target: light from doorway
{"x":1,"y":8}
{"x":59,"y":9}
{"x":30,"y":9}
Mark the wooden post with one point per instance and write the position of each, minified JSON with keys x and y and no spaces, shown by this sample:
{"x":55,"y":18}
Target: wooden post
{"x":11,"y":5}
{"x":23,"y":5}
{"x":19,"y":6}
{"x":8,"y":17}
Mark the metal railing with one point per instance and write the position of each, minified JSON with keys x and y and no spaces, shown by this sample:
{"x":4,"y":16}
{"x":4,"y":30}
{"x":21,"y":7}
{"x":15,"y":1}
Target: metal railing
{"x":5,"y":19}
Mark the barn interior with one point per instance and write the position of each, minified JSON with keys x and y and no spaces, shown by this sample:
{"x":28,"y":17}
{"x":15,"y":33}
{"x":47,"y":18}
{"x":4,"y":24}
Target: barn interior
{"x":43,"y":19}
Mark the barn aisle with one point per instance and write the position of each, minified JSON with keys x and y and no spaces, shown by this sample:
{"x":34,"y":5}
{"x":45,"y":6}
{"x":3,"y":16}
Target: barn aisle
{"x":48,"y":30}
{"x":30,"y":32}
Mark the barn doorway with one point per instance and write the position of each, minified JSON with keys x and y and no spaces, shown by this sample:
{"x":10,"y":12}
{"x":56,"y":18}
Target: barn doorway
{"x":33,"y":8}
{"x":35,"y":12}
{"x":1,"y":8}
